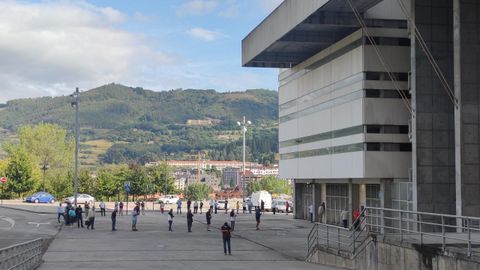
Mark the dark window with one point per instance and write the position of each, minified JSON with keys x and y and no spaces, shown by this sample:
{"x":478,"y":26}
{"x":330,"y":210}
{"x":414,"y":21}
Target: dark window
{"x":372,"y":93}
{"x":406,"y":147}
{"x":374,"y":129}
{"x":373,"y":146}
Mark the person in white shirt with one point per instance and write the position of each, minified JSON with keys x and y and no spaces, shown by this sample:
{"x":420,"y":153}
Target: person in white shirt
{"x":60,"y":212}
{"x":102,"y":208}
{"x":310,"y":212}
{"x":344,"y":218}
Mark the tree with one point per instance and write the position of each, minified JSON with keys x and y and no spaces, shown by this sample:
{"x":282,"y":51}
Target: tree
{"x":139,"y":180}
{"x":273,"y":184}
{"x":197,"y":191}
{"x":161,"y":177}
{"x":86,"y":183}
{"x":60,"y":184}
{"x":19,"y":172}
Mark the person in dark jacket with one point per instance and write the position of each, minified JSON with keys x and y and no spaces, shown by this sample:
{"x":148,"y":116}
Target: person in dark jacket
{"x":257,"y":217}
{"x":189,"y":220}
{"x":226,"y":238}
{"x":78,"y":214}
{"x":170,"y":220}
{"x":208,"y":215}
{"x":114,"y":218}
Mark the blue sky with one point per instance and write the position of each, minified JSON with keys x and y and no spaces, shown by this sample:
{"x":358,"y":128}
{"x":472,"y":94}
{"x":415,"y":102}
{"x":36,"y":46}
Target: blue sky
{"x":50,"y":47}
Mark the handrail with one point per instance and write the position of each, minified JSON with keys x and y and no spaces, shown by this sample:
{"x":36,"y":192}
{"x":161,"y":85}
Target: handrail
{"x":402,"y":223}
{"x":27,"y":255}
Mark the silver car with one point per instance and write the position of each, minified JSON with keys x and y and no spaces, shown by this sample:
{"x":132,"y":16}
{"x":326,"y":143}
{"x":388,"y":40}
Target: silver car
{"x":81,"y":198}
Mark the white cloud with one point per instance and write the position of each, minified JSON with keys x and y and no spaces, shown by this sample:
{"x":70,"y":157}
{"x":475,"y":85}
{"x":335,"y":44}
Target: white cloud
{"x":50,"y":48}
{"x":197,"y":7}
{"x":231,"y":11}
{"x":204,"y":34}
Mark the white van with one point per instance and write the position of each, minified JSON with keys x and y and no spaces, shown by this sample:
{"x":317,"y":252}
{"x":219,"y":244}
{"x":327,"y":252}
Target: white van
{"x":282,"y":205}
{"x":259,"y":196}
{"x":169,"y":199}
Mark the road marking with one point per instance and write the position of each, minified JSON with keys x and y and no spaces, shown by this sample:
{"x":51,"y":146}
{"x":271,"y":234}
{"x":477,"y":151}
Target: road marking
{"x":38,"y":224}
{"x":9,"y":220}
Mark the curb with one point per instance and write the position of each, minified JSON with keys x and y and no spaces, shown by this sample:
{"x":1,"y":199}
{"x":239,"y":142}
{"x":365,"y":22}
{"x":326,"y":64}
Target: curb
{"x":27,"y":210}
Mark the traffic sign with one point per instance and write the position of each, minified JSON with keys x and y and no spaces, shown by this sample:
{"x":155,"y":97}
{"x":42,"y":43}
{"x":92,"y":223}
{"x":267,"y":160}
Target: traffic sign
{"x":3,"y":179}
{"x":127,"y":187}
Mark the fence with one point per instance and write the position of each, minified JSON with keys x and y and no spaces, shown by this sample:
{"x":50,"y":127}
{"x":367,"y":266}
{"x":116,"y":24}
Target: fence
{"x":23,"y":256}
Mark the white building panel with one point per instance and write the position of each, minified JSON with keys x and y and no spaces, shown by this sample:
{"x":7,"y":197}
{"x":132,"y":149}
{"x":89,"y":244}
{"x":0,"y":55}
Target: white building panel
{"x":387,"y":111}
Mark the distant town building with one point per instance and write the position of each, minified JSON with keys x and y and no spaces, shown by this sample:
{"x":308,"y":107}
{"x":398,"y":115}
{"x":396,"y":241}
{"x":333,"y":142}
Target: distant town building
{"x":207,"y":164}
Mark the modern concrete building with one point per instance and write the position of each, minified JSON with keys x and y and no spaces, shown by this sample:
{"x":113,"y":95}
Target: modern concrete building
{"x":364,"y":119}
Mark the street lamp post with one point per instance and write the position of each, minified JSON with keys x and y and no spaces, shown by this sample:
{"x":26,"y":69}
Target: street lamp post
{"x":75,"y":103}
{"x":243,"y":125}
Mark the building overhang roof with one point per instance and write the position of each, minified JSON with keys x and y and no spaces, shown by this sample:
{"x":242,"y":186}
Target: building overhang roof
{"x":293,"y":33}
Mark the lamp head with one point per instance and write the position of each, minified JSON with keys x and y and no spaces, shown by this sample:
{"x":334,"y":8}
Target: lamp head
{"x":238,"y":123}
{"x":249,"y":122}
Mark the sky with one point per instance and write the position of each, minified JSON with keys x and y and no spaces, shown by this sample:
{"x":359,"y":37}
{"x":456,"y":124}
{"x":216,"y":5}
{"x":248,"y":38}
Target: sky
{"x":47,"y":48}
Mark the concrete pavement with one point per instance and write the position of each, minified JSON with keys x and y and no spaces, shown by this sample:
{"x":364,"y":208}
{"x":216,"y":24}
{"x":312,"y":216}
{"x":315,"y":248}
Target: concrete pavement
{"x":280,"y":244}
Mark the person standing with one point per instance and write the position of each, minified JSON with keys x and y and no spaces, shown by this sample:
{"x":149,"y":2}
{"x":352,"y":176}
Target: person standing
{"x":60,"y":212}
{"x":189,"y":220}
{"x":162,"y":207}
{"x":238,"y":206}
{"x":179,"y":206}
{"x":215,"y":205}
{"x":135,"y":213}
{"x":142,"y":205}
{"x":287,"y":207}
{"x":344,"y":218}
{"x":274,"y":207}
{"x":195,"y":207}
{"x":208,"y":216}
{"x":78,"y":214}
{"x":356,"y":216}
{"x":257,"y":217}
{"x":226,"y":235}
{"x":120,"y":205}
{"x":71,"y":214}
{"x":226,"y":206}
{"x":244,"y":207}
{"x":321,"y":212}
{"x":262,"y":206}
{"x":232,"y":219}
{"x":170,"y":220}
{"x":189,"y":204}
{"x":114,"y":218}
{"x":250,"y":205}
{"x":102,"y":208}
{"x":201,"y":207}
{"x":91,"y":218}
{"x":87,"y":209}
{"x":310,"y":212}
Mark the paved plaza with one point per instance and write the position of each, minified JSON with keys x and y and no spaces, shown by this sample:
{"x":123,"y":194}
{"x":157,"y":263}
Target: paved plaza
{"x":280,"y":244}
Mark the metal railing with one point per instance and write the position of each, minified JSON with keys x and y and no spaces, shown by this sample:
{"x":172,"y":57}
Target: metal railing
{"x":23,"y":256}
{"x":460,"y":233}
{"x":338,"y":238}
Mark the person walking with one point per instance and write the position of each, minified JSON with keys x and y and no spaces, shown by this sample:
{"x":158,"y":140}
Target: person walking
{"x":310,"y":212}
{"x":120,"y":205}
{"x":114,"y":218}
{"x":91,"y":218}
{"x":162,"y":207}
{"x":344,"y":218}
{"x":142,"y":206}
{"x":179,"y":207}
{"x":189,"y":220}
{"x":226,"y":235}
{"x":244,"y":207}
{"x":238,"y":206}
{"x":232,"y":219}
{"x":226,"y":206}
{"x":257,"y":217}
{"x":201,"y":207}
{"x":208,"y":216}
{"x":78,"y":215}
{"x":102,"y":208}
{"x":195,"y":207}
{"x":135,"y":213}
{"x":60,"y":212}
{"x":170,"y":220}
{"x":321,"y":212}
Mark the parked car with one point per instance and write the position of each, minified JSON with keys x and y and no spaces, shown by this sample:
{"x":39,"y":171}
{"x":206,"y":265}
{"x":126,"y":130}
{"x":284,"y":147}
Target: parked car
{"x":282,"y":205}
{"x":169,"y":199}
{"x":40,"y":197}
{"x":81,"y":198}
{"x":221,"y":205}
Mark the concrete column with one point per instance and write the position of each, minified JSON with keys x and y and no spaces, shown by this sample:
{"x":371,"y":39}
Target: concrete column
{"x":298,"y":207}
{"x":385,"y":202}
{"x":457,"y":78}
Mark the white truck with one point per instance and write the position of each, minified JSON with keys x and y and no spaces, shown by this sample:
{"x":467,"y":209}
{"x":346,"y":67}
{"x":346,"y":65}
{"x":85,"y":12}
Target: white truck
{"x":259,"y":196}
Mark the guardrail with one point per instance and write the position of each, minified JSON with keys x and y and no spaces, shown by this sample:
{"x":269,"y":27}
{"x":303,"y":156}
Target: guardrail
{"x":23,"y":256}
{"x":461,"y":232}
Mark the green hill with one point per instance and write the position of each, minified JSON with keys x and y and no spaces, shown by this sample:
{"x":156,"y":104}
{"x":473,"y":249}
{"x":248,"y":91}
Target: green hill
{"x":120,"y":124}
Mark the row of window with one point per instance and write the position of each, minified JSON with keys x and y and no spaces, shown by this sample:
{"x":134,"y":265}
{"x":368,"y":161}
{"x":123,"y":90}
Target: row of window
{"x":355,"y":147}
{"x":377,"y":129}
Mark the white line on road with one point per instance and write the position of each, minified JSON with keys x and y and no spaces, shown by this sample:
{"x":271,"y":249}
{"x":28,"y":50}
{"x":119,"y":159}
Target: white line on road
{"x":38,"y":224}
{"x":9,"y":220}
